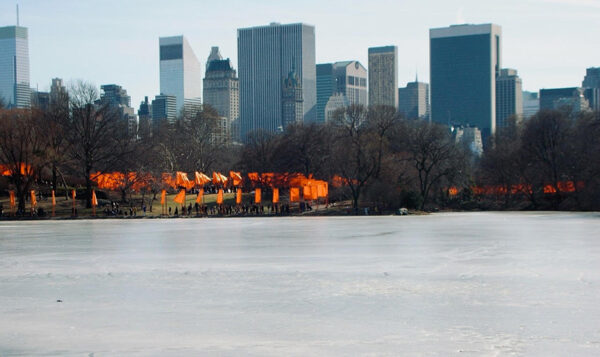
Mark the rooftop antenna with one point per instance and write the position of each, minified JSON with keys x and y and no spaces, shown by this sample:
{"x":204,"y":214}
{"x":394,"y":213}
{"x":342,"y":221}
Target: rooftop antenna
{"x":17,"y":14}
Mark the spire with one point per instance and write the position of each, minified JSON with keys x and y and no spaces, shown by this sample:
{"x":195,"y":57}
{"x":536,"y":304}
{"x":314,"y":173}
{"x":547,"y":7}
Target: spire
{"x":416,"y":74}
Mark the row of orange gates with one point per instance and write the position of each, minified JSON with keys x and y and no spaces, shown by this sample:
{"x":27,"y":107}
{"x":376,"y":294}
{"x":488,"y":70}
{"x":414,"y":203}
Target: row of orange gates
{"x":33,"y":201}
{"x":300,"y":187}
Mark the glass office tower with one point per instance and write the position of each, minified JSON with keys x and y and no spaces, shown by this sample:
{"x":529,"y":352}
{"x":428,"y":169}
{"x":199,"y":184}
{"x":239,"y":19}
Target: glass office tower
{"x":465,"y":61}
{"x":266,"y":56}
{"x":14,"y":67}
{"x":180,"y":71}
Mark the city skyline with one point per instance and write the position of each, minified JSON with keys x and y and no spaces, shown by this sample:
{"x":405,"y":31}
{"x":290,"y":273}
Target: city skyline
{"x":130,"y":36}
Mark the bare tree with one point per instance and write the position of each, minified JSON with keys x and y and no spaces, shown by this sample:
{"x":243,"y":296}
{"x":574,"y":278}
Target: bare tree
{"x":304,"y":148}
{"x":355,"y":152}
{"x":21,"y":149}
{"x":547,"y":138}
{"x":259,"y":151}
{"x":432,"y":153}
{"x":96,"y":135}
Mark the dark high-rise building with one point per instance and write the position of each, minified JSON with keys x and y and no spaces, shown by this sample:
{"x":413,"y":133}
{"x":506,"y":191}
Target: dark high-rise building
{"x":14,"y":67}
{"x":509,"y":97}
{"x":164,"y":109}
{"x":222,"y":92}
{"x":413,"y":100}
{"x":40,"y":100}
{"x":145,"y":118}
{"x":591,"y":83}
{"x":465,"y":61}
{"x":383,"y":76}
{"x":326,"y":87}
{"x":592,"y":78}
{"x":266,"y":55}
{"x":116,"y":97}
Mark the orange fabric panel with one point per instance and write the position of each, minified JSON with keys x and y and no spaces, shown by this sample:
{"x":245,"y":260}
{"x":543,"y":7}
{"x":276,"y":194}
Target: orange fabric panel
{"x":257,"y":196}
{"x":238,"y":196}
{"x":294,"y":194}
{"x":53,"y":199}
{"x":163,"y":197}
{"x":73,"y":194}
{"x":220,"y":197}
{"x":307,"y":192}
{"x":33,"y":199}
{"x":314,"y":193}
{"x":201,"y":179}
{"x":12,"y":198}
{"x":200,"y":196}
{"x":94,"y":198}
{"x":275,"y":195}
{"x":236,"y":178}
{"x":180,"y":198}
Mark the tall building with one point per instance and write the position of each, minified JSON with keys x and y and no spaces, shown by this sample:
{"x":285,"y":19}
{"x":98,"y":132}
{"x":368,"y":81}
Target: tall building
{"x":326,"y":87}
{"x":572,"y":99}
{"x":40,"y":100}
{"x":145,"y":119}
{"x":383,"y":76}
{"x":180,"y":71}
{"x":222,"y":91}
{"x":509,"y":97}
{"x":291,"y":101}
{"x":413,"y":100}
{"x":116,"y":97}
{"x":14,"y":67}
{"x":591,"y":83}
{"x":464,"y":63}
{"x":531,"y":104}
{"x":164,"y":109}
{"x":592,"y":78}
{"x":348,"y":78}
{"x":266,"y":55}
{"x":58,"y":92}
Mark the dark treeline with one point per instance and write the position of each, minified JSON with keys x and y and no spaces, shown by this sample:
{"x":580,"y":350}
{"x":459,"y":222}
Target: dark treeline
{"x":371,"y":156}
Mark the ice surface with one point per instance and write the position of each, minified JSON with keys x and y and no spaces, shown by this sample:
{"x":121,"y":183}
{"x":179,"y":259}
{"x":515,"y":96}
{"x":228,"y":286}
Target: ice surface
{"x":463,"y":284}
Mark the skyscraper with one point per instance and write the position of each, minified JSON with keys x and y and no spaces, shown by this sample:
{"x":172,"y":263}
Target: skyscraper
{"x":383,"y":76}
{"x":348,"y":78}
{"x":465,"y":61}
{"x":266,"y":55}
{"x":413,"y":100}
{"x":145,"y":119}
{"x":592,"y":78}
{"x":115,"y":97}
{"x":14,"y":67}
{"x":591,"y":83}
{"x":509,"y":97}
{"x":180,"y":71}
{"x":222,"y":91}
{"x":292,"y":104}
{"x":164,"y":109}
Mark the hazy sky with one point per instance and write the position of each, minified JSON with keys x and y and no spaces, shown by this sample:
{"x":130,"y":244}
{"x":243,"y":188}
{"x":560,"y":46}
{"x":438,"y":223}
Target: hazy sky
{"x":550,"y":42}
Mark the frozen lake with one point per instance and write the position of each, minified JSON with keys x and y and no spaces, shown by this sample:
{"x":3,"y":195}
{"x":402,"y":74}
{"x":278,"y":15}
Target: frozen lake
{"x":464,"y":284}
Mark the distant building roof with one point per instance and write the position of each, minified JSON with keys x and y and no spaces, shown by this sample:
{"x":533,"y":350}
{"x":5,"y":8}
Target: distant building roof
{"x":219,"y":65}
